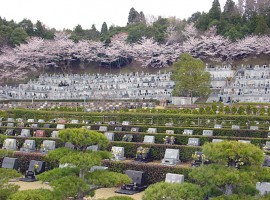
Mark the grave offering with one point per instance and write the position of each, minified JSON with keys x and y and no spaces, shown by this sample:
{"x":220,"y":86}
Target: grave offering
{"x":150,"y":139}
{"x":169,"y":140}
{"x":207,"y":133}
{"x":35,"y":167}
{"x":152,"y":130}
{"x":118,"y":129}
{"x":263,"y":187}
{"x":125,"y":123}
{"x":193,"y":142}
{"x":28,"y":146}
{"x":118,"y":153}
{"x":60,"y":126}
{"x":135,"y":129}
{"x":40,"y":133}
{"x":25,"y":133}
{"x":187,"y":132}
{"x":10,"y":163}
{"x":10,"y":132}
{"x":199,"y":159}
{"x":10,"y":144}
{"x":47,"y":145}
{"x":217,"y":140}
{"x":103,"y":128}
{"x":174,"y":178}
{"x":92,"y":148}
{"x":254,"y":128}
{"x":217,"y":126}
{"x":169,"y":131}
{"x":235,"y":127}
{"x":54,"y":134}
{"x":109,"y":135}
{"x":143,"y":154}
{"x":171,"y":157}
{"x":127,"y":138}
{"x":138,"y":183}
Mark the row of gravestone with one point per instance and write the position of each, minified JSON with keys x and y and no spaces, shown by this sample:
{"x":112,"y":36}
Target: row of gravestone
{"x":29,"y":145}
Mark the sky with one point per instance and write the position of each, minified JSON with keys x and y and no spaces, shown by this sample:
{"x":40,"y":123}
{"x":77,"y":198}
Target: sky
{"x":67,"y":14}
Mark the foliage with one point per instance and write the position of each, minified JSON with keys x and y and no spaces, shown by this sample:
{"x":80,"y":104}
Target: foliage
{"x":190,"y":77}
{"x":57,"y":173}
{"x":38,"y":194}
{"x":120,"y":198}
{"x":174,"y":191}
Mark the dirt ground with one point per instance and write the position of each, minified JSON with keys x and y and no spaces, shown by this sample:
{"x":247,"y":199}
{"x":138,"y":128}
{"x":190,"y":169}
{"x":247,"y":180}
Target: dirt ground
{"x":100,"y":193}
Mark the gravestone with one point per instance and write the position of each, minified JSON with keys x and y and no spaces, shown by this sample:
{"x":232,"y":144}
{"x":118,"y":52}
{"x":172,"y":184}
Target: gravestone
{"x":41,"y":121}
{"x":207,"y":133}
{"x":10,"y":124}
{"x":135,"y":129}
{"x":171,"y":157}
{"x":138,"y":183}
{"x":28,"y":146}
{"x":10,"y":132}
{"x":25,"y":133}
{"x":152,"y":130}
{"x":10,"y":163}
{"x":187,"y":132}
{"x":92,"y":148}
{"x":169,"y":124}
{"x":169,"y":131}
{"x":69,"y":145}
{"x":150,"y":139}
{"x":74,"y":121}
{"x":217,"y":126}
{"x":235,"y":127}
{"x":193,"y":142}
{"x":54,"y":134}
{"x":47,"y":145}
{"x":36,"y":166}
{"x":31,"y":120}
{"x":95,"y":168}
{"x":244,"y":141}
{"x":10,"y":119}
{"x":47,"y":126}
{"x":9,"y":144}
{"x":34,"y":125}
{"x":40,"y":133}
{"x":65,"y":165}
{"x":112,"y":122}
{"x":125,"y":123}
{"x":1,"y":123}
{"x":109,"y":135}
{"x":266,"y":162}
{"x":254,"y":128}
{"x":174,"y":178}
{"x":103,"y":128}
{"x":118,"y":153}
{"x":118,"y":129}
{"x":263,"y":187}
{"x":267,"y":145}
{"x":127,"y":138}
{"x":217,"y":140}
{"x":60,"y":126}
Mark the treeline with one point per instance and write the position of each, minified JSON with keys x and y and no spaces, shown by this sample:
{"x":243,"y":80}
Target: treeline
{"x":248,"y":17}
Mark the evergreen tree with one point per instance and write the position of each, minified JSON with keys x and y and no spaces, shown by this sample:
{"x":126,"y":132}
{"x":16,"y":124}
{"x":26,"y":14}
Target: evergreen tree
{"x":215,"y":11}
{"x":104,"y":28}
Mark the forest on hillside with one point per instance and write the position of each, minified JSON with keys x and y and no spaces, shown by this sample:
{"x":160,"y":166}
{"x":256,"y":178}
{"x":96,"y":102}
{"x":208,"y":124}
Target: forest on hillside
{"x":221,"y":34}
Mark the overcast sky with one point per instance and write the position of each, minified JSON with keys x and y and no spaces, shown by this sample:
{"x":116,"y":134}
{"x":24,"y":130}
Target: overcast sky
{"x":61,"y":14}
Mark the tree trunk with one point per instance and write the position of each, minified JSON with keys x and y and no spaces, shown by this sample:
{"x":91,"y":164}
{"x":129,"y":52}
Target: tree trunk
{"x":80,"y":195}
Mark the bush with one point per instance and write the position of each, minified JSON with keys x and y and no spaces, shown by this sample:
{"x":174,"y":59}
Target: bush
{"x":38,"y":194}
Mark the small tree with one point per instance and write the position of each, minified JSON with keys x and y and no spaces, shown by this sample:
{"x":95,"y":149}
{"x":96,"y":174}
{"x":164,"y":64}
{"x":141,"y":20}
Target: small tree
{"x":236,"y":168}
{"x":190,"y":77}
{"x":38,"y":194}
{"x":77,"y":181}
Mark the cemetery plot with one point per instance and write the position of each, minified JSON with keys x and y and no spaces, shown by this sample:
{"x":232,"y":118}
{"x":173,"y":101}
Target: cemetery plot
{"x":10,"y":163}
{"x":25,"y":133}
{"x":169,"y":140}
{"x":35,"y":167}
{"x":263,"y":187}
{"x":207,"y":133}
{"x":28,"y":146}
{"x":254,"y":128}
{"x":193,"y":142}
{"x":235,"y":127}
{"x":103,"y":128}
{"x":95,"y":168}
{"x":47,"y":145}
{"x":217,"y":140}
{"x":110,"y":136}
{"x":118,"y":129}
{"x":135,"y":129}
{"x":171,"y":157}
{"x":60,"y":126}
{"x":174,"y":178}
{"x":69,"y":145}
{"x":10,"y":144}
{"x":118,"y":153}
{"x":127,"y":138}
{"x":169,"y":131}
{"x":152,"y":130}
{"x":143,"y":154}
{"x":187,"y":132}
{"x":149,"y":139}
{"x":10,"y":132}
{"x":40,"y":133}
{"x":218,"y":126}
{"x":92,"y":148}
{"x":54,"y":134}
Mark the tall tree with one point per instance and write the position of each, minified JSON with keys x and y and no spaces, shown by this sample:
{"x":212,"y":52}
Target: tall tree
{"x":215,"y":11}
{"x":190,"y":77}
{"x":28,"y":26}
{"x":18,"y":36}
{"x":104,"y":28}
